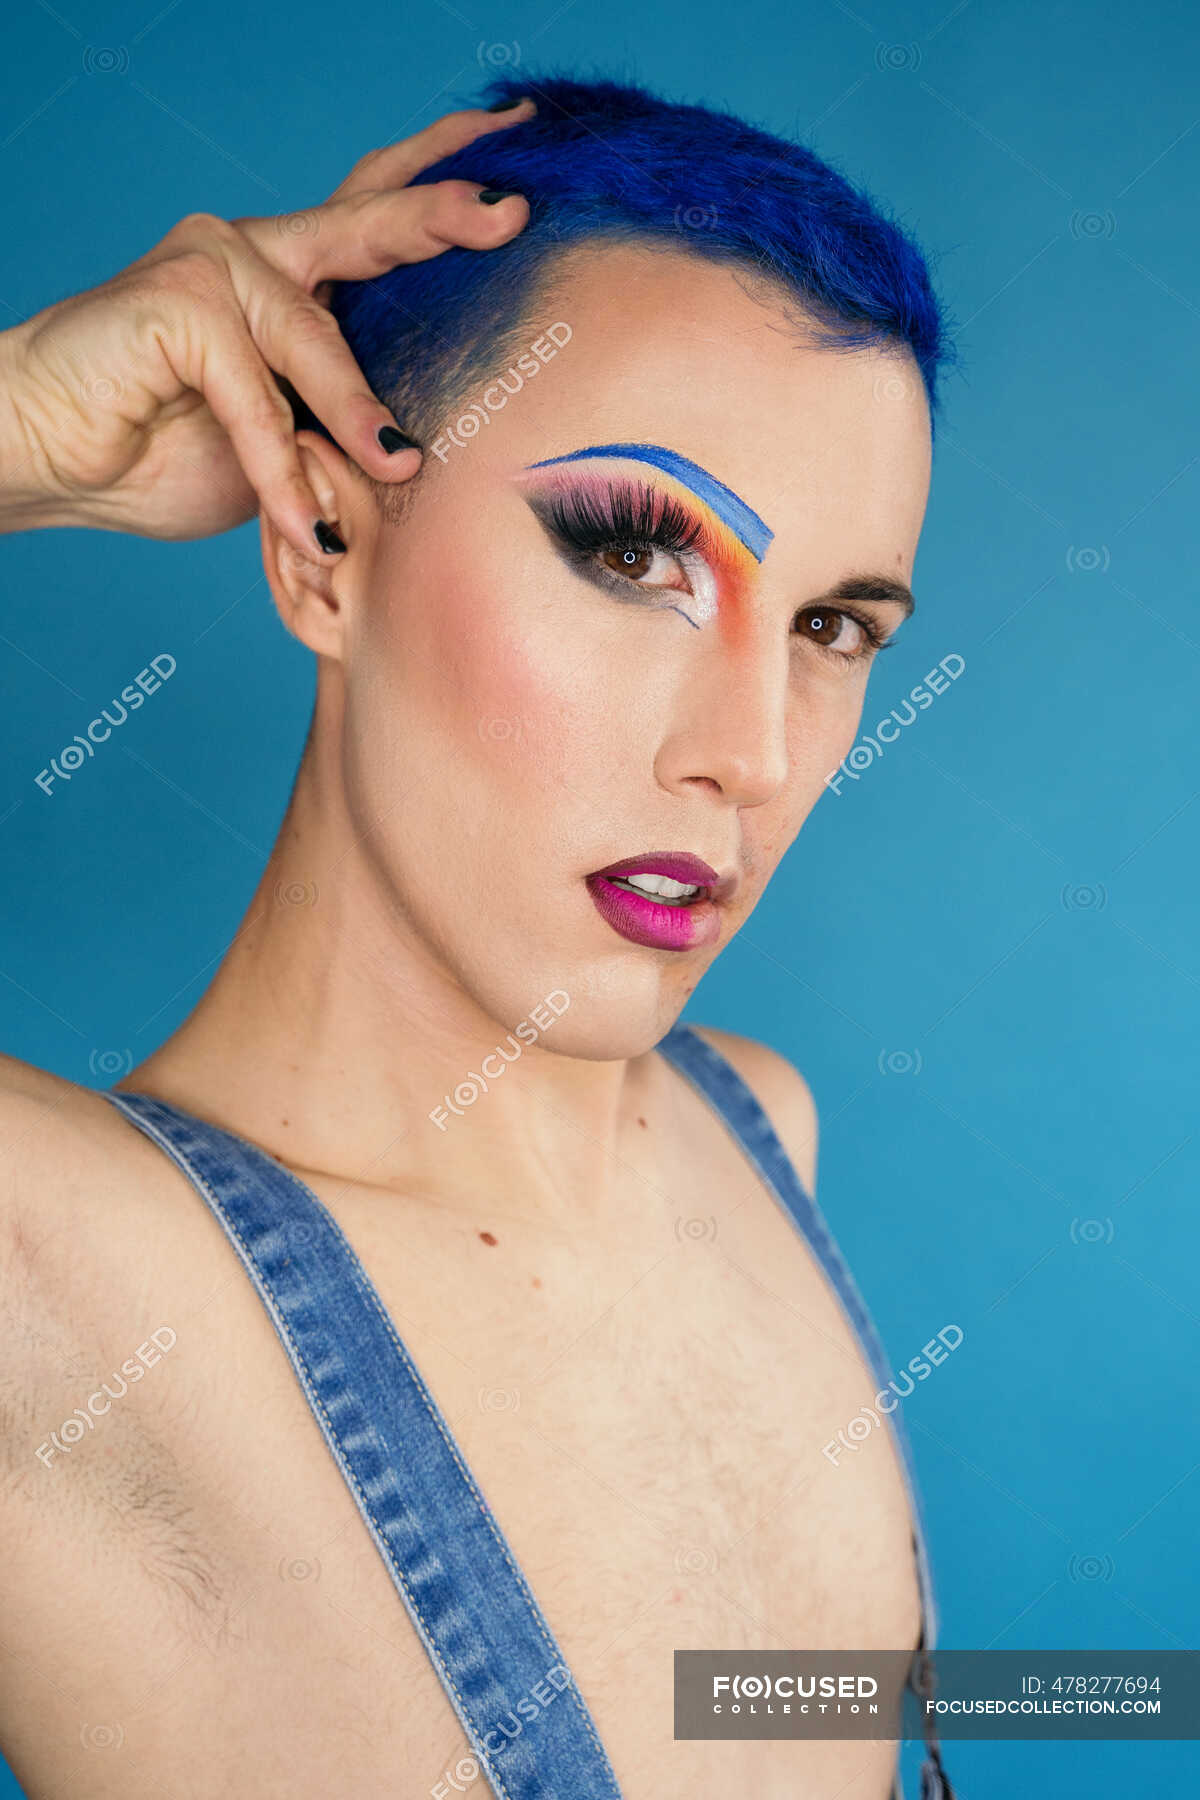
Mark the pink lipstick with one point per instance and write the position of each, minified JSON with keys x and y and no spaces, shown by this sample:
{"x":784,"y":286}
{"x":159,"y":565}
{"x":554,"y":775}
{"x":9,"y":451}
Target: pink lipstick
{"x":657,"y":913}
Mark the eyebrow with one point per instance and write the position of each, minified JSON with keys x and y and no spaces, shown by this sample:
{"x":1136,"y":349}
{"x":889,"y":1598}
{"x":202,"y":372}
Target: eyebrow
{"x":882,"y":588}
{"x":729,"y":507}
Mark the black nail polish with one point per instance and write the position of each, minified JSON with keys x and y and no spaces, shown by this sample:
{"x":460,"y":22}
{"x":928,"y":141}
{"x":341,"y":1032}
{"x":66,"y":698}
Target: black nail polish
{"x":328,"y":538}
{"x":393,"y":440}
{"x":489,"y":196}
{"x":504,"y":105}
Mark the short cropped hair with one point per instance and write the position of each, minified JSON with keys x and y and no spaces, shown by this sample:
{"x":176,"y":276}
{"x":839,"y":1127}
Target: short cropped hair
{"x":610,"y":160}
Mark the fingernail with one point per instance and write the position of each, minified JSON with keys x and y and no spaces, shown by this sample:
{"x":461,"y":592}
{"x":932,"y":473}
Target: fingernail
{"x":393,"y":440}
{"x":328,"y":538}
{"x":489,"y":196}
{"x":506,"y":105}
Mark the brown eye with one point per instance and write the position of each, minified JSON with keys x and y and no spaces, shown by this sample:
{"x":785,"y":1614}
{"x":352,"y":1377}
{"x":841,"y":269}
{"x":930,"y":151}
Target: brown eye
{"x":634,"y":563}
{"x":663,"y":567}
{"x":833,"y":630}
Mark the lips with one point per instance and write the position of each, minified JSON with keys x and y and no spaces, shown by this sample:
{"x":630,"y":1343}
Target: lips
{"x":662,"y":922}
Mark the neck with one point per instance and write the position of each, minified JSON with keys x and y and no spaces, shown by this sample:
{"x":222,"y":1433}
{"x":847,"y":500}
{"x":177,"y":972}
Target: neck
{"x":332,"y":1054}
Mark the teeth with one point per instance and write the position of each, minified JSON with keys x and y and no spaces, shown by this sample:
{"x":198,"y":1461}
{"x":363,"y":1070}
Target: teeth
{"x":661,"y":885}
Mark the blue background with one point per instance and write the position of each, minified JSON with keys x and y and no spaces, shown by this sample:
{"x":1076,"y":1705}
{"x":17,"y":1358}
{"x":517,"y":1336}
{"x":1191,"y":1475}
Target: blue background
{"x":982,"y":953}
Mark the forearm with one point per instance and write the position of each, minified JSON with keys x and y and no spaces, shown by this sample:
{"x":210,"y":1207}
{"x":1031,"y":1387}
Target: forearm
{"x":29,"y":498}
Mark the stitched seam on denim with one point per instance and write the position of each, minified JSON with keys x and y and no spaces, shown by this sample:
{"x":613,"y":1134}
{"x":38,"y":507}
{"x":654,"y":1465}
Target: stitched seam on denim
{"x":738,"y":1091}
{"x":535,"y":1611}
{"x":370,"y":1293}
{"x":299,"y":1361}
{"x":359,"y":1274}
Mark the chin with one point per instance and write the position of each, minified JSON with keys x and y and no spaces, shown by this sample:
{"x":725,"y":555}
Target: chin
{"x":605,"y":1009}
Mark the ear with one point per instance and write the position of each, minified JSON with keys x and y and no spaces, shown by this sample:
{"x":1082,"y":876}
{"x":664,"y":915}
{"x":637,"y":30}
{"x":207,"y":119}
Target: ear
{"x":312,"y":595}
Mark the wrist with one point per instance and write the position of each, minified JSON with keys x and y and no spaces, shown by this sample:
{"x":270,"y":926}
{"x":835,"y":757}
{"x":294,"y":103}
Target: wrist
{"x":29,"y":497}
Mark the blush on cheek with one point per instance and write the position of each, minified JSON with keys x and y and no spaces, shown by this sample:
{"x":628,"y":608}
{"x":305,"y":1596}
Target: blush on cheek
{"x":458,"y":649}
{"x":511,"y":699}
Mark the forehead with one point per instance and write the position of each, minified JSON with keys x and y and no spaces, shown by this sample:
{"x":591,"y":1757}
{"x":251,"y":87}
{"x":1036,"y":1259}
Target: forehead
{"x":829,"y":449}
{"x":672,"y":348}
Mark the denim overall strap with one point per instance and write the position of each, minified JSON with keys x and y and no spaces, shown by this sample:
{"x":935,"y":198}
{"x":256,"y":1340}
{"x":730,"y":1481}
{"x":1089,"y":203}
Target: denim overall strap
{"x":718,"y":1081}
{"x":469,"y":1602}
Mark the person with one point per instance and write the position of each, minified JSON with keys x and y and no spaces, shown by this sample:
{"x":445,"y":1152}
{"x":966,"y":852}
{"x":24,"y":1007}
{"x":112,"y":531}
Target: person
{"x":432,"y":1335}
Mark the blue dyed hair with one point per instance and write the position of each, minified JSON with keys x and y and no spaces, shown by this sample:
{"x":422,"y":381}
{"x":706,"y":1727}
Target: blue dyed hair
{"x":607,"y":159}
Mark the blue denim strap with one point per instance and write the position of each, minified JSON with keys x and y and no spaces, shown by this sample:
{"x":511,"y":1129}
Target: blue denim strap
{"x":485,"y":1634}
{"x":715,"y":1078}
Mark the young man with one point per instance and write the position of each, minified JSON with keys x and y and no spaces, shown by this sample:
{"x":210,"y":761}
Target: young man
{"x":581,"y":675}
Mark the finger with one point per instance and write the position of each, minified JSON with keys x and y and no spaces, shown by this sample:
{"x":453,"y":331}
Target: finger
{"x":395,"y":164}
{"x":211,"y":349}
{"x":369,"y":233}
{"x":300,"y":339}
{"x":303,"y":342}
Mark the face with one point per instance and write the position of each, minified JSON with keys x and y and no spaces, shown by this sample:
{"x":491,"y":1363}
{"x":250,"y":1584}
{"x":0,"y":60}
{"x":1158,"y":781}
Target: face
{"x":592,"y":684}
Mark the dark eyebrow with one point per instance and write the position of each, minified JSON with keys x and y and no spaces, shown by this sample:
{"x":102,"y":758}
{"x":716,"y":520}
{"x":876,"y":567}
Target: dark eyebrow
{"x":882,"y":588}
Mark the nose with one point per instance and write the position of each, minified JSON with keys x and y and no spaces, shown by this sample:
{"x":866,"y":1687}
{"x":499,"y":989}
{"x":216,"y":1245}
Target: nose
{"x":728,"y":726}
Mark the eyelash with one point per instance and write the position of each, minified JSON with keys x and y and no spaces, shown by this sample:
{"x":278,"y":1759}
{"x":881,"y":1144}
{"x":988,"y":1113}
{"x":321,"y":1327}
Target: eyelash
{"x":635,"y":518}
{"x":643,"y":519}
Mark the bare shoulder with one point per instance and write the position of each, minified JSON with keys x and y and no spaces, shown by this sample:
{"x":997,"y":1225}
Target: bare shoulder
{"x":780,"y":1090}
{"x":66,"y":1158}
{"x":55,"y":1136}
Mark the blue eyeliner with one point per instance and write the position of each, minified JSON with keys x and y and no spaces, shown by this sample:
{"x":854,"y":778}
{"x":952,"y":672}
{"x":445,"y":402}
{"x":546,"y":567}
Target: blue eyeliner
{"x":732,"y":511}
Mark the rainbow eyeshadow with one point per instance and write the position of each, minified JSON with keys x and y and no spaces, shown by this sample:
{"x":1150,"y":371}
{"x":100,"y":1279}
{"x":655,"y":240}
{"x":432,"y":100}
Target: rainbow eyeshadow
{"x":730,"y":537}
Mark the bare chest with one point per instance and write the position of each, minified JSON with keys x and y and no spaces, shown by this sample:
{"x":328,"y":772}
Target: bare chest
{"x":645,"y":1419}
